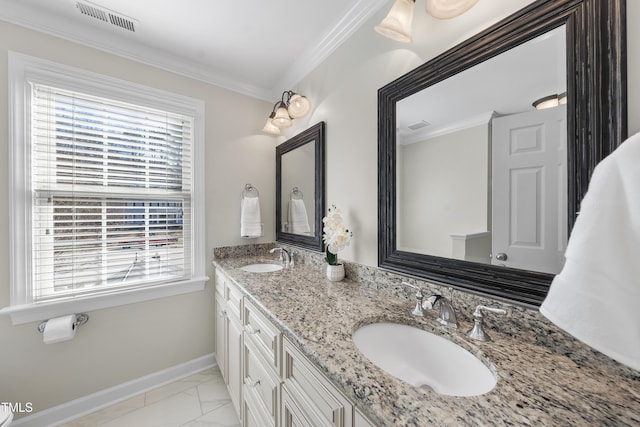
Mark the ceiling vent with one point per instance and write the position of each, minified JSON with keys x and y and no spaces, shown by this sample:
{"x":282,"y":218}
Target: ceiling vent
{"x":419,"y":125}
{"x":107,"y":16}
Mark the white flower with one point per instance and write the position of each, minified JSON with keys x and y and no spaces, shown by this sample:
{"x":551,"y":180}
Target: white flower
{"x":336,"y":235}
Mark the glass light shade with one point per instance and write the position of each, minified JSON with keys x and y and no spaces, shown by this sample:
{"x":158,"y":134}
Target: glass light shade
{"x":562,"y":98}
{"x":270,"y":128}
{"x":282,"y":118}
{"x":546,"y":102}
{"x":397,"y":24}
{"x":299,"y":106}
{"x":447,"y":9}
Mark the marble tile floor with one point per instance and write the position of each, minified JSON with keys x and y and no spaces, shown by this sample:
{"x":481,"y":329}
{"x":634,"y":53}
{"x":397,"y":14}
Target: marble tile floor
{"x":199,"y":400}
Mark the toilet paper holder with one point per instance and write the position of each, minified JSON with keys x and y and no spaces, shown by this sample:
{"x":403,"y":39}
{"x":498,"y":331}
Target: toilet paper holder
{"x":81,"y":319}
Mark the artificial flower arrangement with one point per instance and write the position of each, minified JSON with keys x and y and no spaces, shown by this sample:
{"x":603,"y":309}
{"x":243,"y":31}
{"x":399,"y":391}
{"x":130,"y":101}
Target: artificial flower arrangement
{"x":335,"y":234}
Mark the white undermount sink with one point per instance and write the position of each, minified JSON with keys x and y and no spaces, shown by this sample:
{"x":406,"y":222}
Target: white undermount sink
{"x":261,"y":268}
{"x":423,"y":359}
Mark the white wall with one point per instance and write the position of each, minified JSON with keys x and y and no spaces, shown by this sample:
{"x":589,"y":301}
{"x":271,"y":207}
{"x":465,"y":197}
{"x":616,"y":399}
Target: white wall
{"x":445,"y":189}
{"x":344,"y":91}
{"x":124,"y":343}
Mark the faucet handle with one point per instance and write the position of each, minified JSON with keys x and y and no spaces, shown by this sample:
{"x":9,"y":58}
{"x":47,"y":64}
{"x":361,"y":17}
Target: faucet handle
{"x":479,"y":309}
{"x":418,"y":310}
{"x":477,"y":332}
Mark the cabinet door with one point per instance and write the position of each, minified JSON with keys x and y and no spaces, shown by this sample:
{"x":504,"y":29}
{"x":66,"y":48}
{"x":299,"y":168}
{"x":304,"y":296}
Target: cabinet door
{"x":261,"y":384}
{"x":314,"y":393}
{"x":234,"y":361}
{"x":292,"y":415}
{"x":221,"y":336}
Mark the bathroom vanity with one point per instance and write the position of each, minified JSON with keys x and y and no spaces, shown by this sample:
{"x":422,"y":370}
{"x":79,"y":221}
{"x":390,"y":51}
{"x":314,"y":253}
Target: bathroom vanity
{"x":285,"y":347}
{"x":270,"y":381}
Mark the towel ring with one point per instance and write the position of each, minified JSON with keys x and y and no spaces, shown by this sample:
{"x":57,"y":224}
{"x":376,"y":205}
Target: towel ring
{"x":296,"y":193}
{"x":249,"y":190}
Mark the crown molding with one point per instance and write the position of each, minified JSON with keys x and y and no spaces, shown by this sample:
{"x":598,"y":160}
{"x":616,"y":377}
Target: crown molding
{"x":325,"y":45}
{"x":343,"y":28}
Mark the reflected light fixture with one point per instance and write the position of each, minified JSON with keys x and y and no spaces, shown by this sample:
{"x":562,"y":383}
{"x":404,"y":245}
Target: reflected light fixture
{"x":291,"y":106}
{"x":550,"y":101}
{"x":397,"y":24}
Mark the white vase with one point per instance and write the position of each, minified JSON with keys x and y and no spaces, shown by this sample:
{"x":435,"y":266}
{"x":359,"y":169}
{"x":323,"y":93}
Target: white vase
{"x":335,"y":273}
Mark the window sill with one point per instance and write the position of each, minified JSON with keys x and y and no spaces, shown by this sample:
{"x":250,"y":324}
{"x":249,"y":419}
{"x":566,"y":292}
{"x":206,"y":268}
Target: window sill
{"x":41,"y":311}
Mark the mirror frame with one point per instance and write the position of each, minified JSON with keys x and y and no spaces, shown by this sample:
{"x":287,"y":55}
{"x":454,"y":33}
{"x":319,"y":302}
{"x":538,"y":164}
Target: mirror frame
{"x":596,"y":125}
{"x":314,"y":133}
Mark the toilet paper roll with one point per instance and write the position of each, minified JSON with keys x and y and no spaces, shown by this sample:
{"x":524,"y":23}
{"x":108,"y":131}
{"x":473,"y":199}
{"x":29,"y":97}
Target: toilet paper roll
{"x":60,"y":329}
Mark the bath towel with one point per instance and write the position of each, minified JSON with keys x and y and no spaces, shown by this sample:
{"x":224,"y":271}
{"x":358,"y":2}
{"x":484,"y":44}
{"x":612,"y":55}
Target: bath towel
{"x":595,"y":296}
{"x":250,"y":221}
{"x":298,"y":220}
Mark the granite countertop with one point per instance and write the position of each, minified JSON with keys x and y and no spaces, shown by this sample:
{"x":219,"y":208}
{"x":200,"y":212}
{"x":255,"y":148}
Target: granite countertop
{"x":535,"y":386}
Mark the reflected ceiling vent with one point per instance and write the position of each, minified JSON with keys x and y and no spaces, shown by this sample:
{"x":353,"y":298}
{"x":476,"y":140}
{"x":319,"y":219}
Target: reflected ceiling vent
{"x":419,"y":125}
{"x":106,"y":15}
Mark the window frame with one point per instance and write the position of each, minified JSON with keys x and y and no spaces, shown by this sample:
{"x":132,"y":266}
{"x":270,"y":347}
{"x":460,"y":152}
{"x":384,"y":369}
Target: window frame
{"x":24,"y":69}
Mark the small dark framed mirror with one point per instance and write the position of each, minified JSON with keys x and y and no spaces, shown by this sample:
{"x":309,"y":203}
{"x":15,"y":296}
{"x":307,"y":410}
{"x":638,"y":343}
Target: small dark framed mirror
{"x":300,"y":189}
{"x":593,"y":124}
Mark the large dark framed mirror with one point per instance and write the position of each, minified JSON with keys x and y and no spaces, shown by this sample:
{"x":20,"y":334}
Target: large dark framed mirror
{"x":426,"y":124}
{"x":300,"y":189}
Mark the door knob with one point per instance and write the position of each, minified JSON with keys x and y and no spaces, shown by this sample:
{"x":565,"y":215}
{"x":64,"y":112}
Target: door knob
{"x":501,"y":256}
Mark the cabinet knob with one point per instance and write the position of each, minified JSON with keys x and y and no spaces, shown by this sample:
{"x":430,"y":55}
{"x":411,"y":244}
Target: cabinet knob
{"x":251,"y":382}
{"x":223,"y":313}
{"x":250,"y":330}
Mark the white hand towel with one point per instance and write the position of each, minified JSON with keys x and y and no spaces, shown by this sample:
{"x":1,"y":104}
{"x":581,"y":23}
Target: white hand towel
{"x":595,"y":297}
{"x":250,"y":221}
{"x":298,"y":220}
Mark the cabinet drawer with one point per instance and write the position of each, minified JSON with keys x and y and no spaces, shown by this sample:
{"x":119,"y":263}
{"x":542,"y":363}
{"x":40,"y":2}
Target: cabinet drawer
{"x":220,"y":281}
{"x":261,"y":386}
{"x":230,"y":293}
{"x":234,"y":299}
{"x":252,"y":416}
{"x":265,"y":336}
{"x":313,"y":390}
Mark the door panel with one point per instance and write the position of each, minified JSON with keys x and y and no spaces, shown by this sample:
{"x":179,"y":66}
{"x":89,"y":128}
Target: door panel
{"x":529,"y":189}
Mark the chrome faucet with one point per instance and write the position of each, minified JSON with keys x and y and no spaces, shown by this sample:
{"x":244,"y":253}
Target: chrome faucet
{"x":285,"y":256}
{"x":446,"y":313}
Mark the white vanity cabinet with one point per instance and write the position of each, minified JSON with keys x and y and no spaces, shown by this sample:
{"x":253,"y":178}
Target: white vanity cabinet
{"x":229,"y":303}
{"x":270,"y":381}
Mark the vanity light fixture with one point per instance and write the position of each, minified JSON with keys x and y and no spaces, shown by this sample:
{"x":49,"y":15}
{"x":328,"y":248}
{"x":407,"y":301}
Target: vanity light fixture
{"x":291,"y":106}
{"x":550,"y":101}
{"x":397,"y":24}
{"x":447,"y":9}
{"x":269,"y":127}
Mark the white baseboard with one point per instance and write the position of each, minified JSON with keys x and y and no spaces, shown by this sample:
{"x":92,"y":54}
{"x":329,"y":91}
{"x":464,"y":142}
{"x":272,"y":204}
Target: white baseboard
{"x":101,"y":399}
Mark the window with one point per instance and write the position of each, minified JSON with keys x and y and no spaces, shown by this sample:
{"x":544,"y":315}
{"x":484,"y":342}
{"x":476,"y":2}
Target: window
{"x":105,"y":198}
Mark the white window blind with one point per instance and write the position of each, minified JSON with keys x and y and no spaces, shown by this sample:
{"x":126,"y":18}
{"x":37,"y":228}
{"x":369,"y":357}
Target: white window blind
{"x":112,"y":194}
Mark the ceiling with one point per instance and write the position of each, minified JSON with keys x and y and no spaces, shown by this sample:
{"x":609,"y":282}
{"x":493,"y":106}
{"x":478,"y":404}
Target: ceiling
{"x":505,"y":84}
{"x":256,"y":47}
